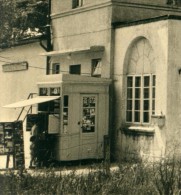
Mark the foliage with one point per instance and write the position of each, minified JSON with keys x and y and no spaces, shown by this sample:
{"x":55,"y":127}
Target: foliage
{"x":22,"y":19}
{"x":161,"y":177}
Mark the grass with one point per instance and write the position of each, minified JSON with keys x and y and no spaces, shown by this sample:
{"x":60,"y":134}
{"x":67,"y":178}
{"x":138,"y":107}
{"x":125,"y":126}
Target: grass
{"x":139,"y":179}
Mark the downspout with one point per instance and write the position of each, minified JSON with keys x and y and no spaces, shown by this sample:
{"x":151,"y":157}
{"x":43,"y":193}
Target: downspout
{"x":48,"y":46}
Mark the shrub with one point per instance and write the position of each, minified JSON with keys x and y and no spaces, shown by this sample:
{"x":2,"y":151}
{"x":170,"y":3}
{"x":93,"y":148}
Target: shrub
{"x":139,"y":179}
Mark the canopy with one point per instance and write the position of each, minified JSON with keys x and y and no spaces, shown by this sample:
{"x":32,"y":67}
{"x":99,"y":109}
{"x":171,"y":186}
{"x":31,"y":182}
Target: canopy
{"x":28,"y":102}
{"x":94,"y":48}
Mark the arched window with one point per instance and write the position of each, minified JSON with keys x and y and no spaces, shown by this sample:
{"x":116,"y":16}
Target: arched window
{"x":141,"y":82}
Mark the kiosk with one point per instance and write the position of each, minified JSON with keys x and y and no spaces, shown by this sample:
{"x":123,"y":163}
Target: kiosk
{"x":74,"y":111}
{"x":78,"y":117}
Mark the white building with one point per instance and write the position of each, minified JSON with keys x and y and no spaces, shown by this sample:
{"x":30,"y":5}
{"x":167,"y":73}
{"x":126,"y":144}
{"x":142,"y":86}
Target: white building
{"x":137,"y":46}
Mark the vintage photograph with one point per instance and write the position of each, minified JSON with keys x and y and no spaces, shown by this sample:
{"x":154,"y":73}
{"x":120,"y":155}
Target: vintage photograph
{"x":90,"y":99}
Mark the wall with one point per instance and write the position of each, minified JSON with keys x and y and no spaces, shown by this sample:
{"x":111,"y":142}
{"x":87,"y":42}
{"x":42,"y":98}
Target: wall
{"x":153,"y":2}
{"x":157,"y":35}
{"x":66,"y":5}
{"x":173,"y":121}
{"x":82,"y":29}
{"x":91,"y":25}
{"x":17,"y":85}
{"x":124,"y":12}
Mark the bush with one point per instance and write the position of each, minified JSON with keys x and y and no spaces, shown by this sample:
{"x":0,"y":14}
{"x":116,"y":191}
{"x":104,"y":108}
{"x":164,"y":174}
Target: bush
{"x":139,"y":179}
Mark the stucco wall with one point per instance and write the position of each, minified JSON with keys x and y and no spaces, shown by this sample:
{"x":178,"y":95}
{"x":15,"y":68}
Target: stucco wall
{"x":157,"y":35}
{"x":173,"y":120}
{"x":82,"y":30}
{"x":123,"y":11}
{"x":66,"y":5}
{"x":154,"y":2}
{"x":15,"y":86}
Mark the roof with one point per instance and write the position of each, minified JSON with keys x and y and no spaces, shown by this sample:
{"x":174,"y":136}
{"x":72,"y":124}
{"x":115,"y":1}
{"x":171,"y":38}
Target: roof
{"x":23,"y":41}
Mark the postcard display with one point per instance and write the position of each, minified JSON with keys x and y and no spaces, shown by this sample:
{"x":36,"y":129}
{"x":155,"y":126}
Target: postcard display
{"x":11,"y":142}
{"x":79,"y":117}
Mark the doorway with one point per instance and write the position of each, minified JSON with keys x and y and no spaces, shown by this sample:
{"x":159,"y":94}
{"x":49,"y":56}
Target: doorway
{"x":88,"y":131}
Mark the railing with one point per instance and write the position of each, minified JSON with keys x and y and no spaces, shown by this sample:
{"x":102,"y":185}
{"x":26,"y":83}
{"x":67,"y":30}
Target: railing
{"x":30,"y":108}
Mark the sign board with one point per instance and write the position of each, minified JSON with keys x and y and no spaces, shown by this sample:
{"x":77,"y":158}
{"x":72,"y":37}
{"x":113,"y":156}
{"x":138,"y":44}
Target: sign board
{"x":18,"y":66}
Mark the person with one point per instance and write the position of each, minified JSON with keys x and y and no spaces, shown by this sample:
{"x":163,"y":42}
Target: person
{"x":34,"y":144}
{"x":34,"y":129}
{"x":32,"y":151}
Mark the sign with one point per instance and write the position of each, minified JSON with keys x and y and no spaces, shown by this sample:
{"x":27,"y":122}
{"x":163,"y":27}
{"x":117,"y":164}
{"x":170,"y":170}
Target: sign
{"x":12,"y":67}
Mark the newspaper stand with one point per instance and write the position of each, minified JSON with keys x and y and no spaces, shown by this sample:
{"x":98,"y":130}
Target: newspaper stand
{"x":77,"y":117}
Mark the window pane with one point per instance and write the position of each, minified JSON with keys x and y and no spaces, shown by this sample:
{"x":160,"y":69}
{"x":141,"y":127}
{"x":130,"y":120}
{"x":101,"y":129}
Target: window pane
{"x":153,"y":105}
{"x":96,"y":68}
{"x":129,"y":116}
{"x":137,"y":81}
{"x":146,"y":105}
{"x":129,"y":105}
{"x":146,"y":93}
{"x":137,"y":116}
{"x":153,"y":93}
{"x":137,"y":92}
{"x":130,"y":81}
{"x":154,"y":80}
{"x":140,"y":98}
{"x":55,"y":68}
{"x":146,"y":81}
{"x":75,"y":69}
{"x":66,"y":100}
{"x":146,"y":117}
{"x":129,"y":93}
{"x":137,"y":104}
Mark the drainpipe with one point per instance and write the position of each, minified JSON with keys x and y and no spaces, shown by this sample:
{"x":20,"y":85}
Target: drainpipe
{"x":48,"y":46}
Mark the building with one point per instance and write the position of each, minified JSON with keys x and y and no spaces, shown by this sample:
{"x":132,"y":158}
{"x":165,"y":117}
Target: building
{"x":95,"y":41}
{"x":97,"y":24}
{"x":20,"y":68}
{"x":147,"y":67}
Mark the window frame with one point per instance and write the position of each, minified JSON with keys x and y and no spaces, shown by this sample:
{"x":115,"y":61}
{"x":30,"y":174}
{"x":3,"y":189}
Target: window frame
{"x":54,"y":68}
{"x":132,"y":98}
{"x":77,"y":3}
{"x":96,"y":65}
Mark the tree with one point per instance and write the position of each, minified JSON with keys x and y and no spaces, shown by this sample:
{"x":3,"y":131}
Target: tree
{"x":20,"y":19}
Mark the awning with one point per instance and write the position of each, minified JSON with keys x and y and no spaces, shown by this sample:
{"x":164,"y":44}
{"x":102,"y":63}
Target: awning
{"x":96,"y":48}
{"x":29,"y":102}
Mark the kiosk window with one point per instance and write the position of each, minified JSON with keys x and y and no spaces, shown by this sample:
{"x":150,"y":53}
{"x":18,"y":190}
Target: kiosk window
{"x":43,"y":91}
{"x":89,"y":110}
{"x":55,"y":91}
{"x":65,"y":112}
{"x":51,"y":106}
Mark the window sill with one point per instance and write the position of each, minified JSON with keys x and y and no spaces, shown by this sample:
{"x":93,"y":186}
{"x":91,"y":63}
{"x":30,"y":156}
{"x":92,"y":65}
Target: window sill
{"x":139,"y":130}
